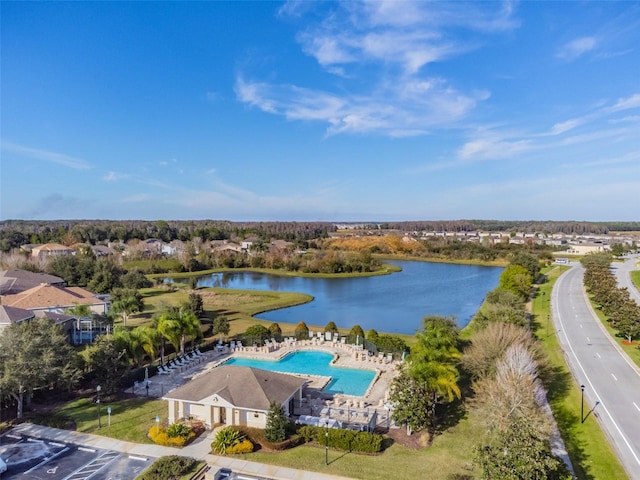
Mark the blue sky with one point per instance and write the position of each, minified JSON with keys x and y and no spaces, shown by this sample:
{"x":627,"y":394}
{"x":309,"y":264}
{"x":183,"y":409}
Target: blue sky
{"x":320,"y":110}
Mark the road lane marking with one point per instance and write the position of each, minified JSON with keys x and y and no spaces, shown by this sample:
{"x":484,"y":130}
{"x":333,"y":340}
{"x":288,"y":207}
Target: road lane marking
{"x":614,"y":377}
{"x":598,"y":355}
{"x":588,"y":340}
{"x":637,"y":407}
{"x":631,"y":449}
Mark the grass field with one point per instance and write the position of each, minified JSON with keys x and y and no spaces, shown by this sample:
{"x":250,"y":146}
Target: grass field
{"x":131,"y":418}
{"x":635,"y":278}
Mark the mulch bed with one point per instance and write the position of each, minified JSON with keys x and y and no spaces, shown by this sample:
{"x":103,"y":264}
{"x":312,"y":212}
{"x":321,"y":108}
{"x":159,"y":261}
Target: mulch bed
{"x":415,"y":440}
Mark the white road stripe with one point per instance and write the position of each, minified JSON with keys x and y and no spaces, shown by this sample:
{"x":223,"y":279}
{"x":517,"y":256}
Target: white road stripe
{"x":598,"y":355}
{"x":637,"y":407}
{"x":614,"y":377}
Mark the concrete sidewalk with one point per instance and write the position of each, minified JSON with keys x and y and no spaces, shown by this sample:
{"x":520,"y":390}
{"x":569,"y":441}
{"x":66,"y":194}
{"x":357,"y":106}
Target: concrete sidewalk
{"x":198,"y":449}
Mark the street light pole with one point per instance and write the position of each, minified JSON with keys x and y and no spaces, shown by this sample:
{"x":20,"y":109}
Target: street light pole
{"x":326,"y":447}
{"x":582,"y":404}
{"x":98,"y":388}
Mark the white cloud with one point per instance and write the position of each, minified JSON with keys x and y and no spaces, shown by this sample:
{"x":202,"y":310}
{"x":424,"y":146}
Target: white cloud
{"x":114,"y":176}
{"x":44,"y":155}
{"x":576,"y":48}
{"x":565,"y":126}
{"x":626,"y":103}
{"x":395,"y":109}
{"x":488,"y":149}
{"x":387,"y":46}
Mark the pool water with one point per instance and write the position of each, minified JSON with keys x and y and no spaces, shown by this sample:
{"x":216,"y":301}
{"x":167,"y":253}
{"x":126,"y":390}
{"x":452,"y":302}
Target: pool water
{"x":350,"y":381}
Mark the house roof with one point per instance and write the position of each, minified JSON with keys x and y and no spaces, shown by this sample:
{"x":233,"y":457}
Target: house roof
{"x":9,"y":315}
{"x":52,"y":247}
{"x":57,"y":318}
{"x":244,"y":387}
{"x":51,"y":296}
{"x":16,"y":281}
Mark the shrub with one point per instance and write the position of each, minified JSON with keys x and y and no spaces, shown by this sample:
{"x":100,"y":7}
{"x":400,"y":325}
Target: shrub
{"x":225,"y":439}
{"x":302,"y":331}
{"x":243,"y":446}
{"x":179,"y":430}
{"x":256,"y":333}
{"x":331,"y":327}
{"x":169,"y":468}
{"x":275,"y":331}
{"x":178,"y":437}
{"x":363,"y":442}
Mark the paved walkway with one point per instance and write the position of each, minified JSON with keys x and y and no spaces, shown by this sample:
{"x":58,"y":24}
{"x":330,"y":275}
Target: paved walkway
{"x":198,"y":449}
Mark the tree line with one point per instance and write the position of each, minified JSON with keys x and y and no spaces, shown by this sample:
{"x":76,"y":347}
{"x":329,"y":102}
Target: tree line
{"x":19,"y":232}
{"x":621,"y":311}
{"x":504,"y":365}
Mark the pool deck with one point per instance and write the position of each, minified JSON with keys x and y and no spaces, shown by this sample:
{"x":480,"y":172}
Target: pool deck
{"x":315,"y":402}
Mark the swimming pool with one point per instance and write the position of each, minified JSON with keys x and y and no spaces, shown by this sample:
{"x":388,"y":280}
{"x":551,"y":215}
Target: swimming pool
{"x":350,"y":381}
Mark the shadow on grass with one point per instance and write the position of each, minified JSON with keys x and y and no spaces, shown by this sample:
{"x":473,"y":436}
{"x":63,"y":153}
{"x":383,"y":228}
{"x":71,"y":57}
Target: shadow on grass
{"x":558,"y":382}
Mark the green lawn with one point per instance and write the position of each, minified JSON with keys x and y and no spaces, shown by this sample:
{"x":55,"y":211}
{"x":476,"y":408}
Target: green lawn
{"x":131,"y":418}
{"x":635,"y":278}
{"x":587,"y":445}
{"x":449,"y":457}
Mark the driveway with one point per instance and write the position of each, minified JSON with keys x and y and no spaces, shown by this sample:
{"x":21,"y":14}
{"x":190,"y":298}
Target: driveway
{"x":611,"y":381}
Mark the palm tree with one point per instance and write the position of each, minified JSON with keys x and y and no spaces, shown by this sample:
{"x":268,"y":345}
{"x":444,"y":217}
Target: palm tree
{"x":127,"y":305}
{"x":176,"y":324}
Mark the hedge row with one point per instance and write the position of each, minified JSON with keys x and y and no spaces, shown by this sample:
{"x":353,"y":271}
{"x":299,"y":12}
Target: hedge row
{"x":342,"y":439}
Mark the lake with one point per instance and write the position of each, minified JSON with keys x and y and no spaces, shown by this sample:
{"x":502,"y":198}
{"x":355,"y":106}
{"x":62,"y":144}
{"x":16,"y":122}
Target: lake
{"x":394,"y":303}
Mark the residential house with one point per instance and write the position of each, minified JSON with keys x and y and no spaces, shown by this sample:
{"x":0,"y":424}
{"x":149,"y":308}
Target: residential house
{"x":10,"y":315}
{"x":51,"y":250}
{"x":234,"y":395}
{"x":52,"y":301}
{"x":17,"y":281}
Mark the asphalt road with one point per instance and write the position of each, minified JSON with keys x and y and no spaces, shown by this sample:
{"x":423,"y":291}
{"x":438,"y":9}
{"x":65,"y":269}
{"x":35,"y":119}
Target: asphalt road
{"x":611,"y":382}
{"x":622,"y":272}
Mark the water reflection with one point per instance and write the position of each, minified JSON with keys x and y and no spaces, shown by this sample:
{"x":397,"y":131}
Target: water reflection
{"x":390,"y":303}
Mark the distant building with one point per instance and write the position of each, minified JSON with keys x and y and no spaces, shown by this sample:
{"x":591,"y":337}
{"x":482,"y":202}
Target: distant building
{"x":51,"y":250}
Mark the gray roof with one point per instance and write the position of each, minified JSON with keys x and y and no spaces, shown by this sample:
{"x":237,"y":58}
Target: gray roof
{"x":244,"y":387}
{"x":9,"y":315}
{"x":16,"y":281}
{"x":55,"y":317}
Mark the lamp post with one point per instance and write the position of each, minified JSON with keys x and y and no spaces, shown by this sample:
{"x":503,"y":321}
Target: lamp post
{"x":326,"y":447}
{"x":548,"y":324}
{"x":582,"y":404}
{"x":98,"y":388}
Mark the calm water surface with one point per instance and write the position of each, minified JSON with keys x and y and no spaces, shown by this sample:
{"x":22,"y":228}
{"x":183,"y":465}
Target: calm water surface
{"x":394,"y":303}
{"x":343,"y":380}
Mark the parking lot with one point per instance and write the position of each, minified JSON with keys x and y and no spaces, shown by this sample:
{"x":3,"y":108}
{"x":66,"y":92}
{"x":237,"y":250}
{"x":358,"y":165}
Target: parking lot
{"x":38,"y":459}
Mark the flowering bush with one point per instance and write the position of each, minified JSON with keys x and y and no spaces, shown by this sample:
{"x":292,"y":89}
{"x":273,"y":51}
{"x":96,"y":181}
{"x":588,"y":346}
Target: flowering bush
{"x":230,"y":440}
{"x":177,"y":435}
{"x":243,"y":446}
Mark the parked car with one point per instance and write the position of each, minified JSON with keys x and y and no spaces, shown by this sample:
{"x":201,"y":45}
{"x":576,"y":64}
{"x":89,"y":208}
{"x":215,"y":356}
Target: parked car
{"x":223,"y":474}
